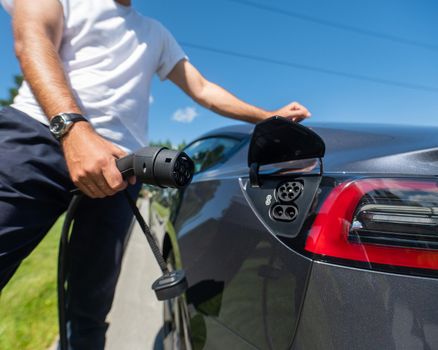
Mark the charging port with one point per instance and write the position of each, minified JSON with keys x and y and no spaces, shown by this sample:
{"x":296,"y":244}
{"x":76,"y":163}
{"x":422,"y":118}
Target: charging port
{"x":283,"y":212}
{"x":289,"y":191}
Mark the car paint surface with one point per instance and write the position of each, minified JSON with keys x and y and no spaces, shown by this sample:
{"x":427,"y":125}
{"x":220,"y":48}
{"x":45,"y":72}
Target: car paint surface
{"x":250,"y":288}
{"x":349,"y":308}
{"x":239,"y":275}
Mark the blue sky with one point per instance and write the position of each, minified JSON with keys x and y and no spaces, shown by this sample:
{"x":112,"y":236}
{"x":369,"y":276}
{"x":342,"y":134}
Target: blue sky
{"x":325,"y":54}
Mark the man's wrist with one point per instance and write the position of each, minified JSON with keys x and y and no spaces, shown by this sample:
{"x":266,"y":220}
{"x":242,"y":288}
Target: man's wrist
{"x":61,"y":124}
{"x":78,"y":128}
{"x":265,"y":114}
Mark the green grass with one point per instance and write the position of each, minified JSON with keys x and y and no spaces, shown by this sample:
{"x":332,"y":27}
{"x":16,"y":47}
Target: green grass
{"x":28,"y":313}
{"x":162,"y":211}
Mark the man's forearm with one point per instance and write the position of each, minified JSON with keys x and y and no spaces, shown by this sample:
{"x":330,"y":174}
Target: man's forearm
{"x":223,"y":102}
{"x":36,"y":49}
{"x":44,"y":73}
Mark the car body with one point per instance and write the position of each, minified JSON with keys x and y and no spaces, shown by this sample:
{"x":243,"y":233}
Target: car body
{"x":353,"y":266}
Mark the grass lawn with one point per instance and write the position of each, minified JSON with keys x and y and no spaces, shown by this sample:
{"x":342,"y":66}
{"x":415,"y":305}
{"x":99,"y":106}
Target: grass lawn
{"x":28,"y":311}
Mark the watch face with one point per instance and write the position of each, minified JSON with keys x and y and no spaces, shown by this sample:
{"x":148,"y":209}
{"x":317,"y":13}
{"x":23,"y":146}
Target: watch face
{"x":57,"y":125}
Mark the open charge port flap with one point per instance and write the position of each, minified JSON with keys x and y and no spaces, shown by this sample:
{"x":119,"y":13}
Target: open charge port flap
{"x":279,"y":140}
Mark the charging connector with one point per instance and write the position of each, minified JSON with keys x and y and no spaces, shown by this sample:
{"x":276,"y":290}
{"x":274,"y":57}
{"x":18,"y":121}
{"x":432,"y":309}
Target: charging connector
{"x":151,"y":165}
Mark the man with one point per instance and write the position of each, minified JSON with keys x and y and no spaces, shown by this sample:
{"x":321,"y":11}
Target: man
{"x":87,"y":67}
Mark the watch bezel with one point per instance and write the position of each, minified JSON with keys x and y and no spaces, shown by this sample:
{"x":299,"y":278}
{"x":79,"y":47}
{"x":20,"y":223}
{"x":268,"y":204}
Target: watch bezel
{"x":65,"y":121}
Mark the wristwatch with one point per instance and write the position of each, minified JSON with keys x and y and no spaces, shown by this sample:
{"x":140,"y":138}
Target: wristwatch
{"x":61,"y":123}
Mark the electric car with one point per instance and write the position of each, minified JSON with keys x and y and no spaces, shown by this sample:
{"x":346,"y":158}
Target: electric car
{"x":305,"y":237}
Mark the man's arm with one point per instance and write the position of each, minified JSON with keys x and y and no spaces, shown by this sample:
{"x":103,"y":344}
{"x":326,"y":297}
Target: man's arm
{"x":214,"y":97}
{"x":38,"y":28}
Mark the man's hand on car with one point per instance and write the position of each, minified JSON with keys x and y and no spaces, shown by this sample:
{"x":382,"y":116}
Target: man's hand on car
{"x":293,"y":111}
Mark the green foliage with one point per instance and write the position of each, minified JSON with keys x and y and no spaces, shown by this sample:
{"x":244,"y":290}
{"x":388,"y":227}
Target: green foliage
{"x":182,"y":145}
{"x":168,"y":144}
{"x":18,"y":79}
{"x":28,"y":312}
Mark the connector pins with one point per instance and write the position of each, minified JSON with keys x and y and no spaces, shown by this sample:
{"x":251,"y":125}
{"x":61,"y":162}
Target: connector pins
{"x":286,"y":193}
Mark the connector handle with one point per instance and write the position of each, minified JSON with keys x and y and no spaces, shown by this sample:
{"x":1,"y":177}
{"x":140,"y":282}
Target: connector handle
{"x":126,"y":165}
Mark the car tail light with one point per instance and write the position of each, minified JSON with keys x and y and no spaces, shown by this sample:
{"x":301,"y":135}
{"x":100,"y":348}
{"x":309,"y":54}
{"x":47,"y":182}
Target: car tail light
{"x":383,"y":221}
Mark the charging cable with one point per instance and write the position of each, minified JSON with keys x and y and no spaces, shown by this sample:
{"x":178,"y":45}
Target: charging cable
{"x":153,"y":165}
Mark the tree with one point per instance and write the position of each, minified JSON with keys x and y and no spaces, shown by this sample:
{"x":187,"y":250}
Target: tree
{"x":182,"y":145}
{"x":168,"y":144}
{"x":18,"y":80}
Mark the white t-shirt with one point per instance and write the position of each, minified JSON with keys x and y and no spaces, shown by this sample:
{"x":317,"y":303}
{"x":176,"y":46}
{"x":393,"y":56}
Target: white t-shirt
{"x":110,"y":53}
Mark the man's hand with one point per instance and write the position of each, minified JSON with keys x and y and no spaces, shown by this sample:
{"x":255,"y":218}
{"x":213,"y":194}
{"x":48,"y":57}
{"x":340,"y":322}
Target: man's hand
{"x":293,"y":111}
{"x":91,"y":161}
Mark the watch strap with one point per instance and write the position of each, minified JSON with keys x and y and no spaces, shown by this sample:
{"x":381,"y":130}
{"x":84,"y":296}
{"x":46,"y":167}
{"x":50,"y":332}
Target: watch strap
{"x":75,"y":117}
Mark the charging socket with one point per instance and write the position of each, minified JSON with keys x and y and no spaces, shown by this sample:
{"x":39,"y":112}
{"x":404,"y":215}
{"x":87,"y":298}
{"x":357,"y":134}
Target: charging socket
{"x":283,"y":212}
{"x":289,"y":191}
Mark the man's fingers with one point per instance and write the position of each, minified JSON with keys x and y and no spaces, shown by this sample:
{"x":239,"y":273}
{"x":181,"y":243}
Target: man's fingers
{"x":300,"y":111}
{"x":96,"y":191}
{"x":117,"y":152}
{"x":97,"y":186}
{"x":101,"y":182}
{"x":85,"y":190}
{"x":298,"y":119}
{"x":90,"y":190}
{"x":298,"y":115}
{"x":114,"y":178}
{"x":294,"y":111}
{"x":132,"y":180}
{"x":102,"y":186}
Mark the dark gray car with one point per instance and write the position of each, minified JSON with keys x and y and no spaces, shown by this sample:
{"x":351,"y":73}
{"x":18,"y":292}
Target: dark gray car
{"x":300,"y":239}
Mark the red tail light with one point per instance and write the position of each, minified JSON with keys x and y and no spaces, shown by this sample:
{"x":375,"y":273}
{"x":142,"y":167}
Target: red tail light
{"x":383,"y":221}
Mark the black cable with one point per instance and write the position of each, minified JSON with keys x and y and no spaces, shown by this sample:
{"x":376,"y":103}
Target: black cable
{"x":337,"y":25}
{"x":62,"y":270}
{"x":63,"y":259}
{"x":313,"y":68}
{"x":147,"y":233}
